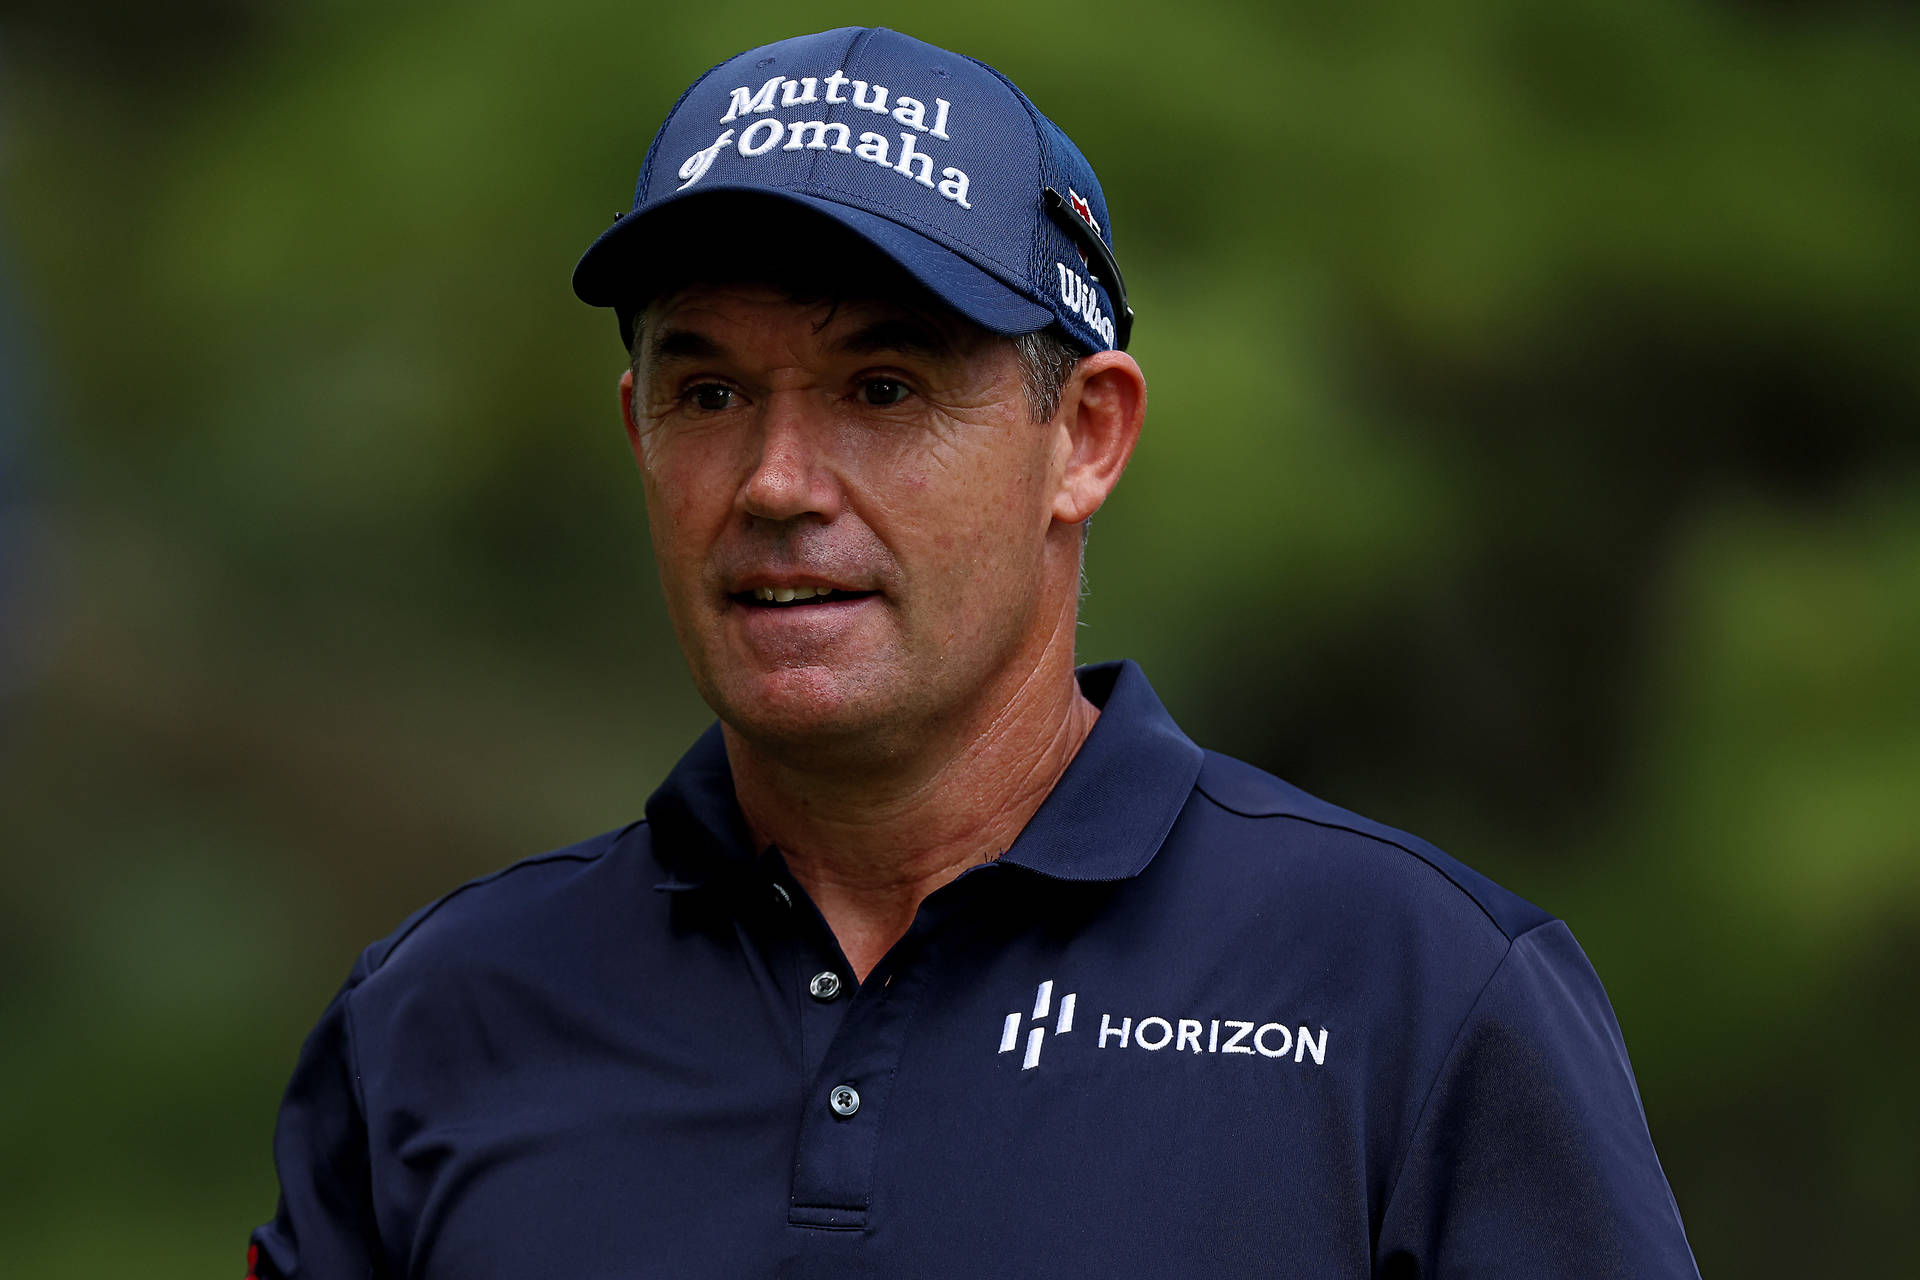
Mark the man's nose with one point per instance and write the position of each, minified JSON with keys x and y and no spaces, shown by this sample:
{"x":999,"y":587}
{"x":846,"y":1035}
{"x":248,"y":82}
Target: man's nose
{"x":791,"y":476}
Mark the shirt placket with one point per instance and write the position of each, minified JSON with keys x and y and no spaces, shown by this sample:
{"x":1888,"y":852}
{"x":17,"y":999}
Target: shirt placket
{"x":819,"y":978}
{"x":853,"y":1043}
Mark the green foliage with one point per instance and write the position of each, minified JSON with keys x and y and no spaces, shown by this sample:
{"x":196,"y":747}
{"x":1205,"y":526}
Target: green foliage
{"x":1532,"y":463}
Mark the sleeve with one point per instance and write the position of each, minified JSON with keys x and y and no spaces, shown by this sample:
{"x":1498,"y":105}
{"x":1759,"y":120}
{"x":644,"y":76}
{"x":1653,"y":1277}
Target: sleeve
{"x":1531,"y":1156}
{"x":325,"y":1225}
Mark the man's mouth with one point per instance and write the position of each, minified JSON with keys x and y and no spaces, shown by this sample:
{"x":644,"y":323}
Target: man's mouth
{"x":784,"y":597}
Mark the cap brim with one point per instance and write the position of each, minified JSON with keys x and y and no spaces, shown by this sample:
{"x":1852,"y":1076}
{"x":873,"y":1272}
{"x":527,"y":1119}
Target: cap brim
{"x":621,"y":267}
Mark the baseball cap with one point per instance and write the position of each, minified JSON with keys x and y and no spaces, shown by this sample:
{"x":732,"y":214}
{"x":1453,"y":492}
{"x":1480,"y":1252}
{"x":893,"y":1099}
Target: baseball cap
{"x":935,"y":159}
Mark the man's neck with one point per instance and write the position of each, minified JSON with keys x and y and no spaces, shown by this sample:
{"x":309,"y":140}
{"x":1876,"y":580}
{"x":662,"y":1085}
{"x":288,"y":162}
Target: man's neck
{"x":870,"y":846}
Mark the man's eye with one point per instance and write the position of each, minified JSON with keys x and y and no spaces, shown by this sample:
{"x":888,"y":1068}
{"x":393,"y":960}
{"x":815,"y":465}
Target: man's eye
{"x":883,"y":391}
{"x":711,"y":397}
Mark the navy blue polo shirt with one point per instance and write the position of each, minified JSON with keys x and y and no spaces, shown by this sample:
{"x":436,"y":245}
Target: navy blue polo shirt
{"x":1193,"y":1022}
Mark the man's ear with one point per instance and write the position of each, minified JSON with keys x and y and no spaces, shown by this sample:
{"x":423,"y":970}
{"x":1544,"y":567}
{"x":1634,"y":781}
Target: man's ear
{"x":627,"y":414}
{"x":1102,"y":408}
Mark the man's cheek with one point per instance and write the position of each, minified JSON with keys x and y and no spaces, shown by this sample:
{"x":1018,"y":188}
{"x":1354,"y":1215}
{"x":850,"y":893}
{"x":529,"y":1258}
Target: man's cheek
{"x":674,"y":507}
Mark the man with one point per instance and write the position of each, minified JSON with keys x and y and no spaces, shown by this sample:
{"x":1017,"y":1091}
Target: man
{"x":935,"y":957}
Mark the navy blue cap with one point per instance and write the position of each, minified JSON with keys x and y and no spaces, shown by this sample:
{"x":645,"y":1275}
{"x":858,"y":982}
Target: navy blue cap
{"x":934,"y":159}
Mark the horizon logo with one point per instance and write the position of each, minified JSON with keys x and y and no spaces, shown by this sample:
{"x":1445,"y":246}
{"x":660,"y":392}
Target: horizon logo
{"x":1036,"y":1036}
{"x":1251,"y":1038}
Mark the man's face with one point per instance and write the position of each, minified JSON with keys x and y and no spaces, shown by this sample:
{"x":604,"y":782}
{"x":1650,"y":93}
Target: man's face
{"x":851,"y":509}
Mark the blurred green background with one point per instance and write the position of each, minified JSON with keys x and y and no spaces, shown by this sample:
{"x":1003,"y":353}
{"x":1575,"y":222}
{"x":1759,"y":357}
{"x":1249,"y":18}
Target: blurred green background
{"x":1534,"y":463}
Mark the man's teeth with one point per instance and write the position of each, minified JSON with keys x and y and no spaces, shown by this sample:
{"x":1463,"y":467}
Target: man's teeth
{"x":787,"y":595}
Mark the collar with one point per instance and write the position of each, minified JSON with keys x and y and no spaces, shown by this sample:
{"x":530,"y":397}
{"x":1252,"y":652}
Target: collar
{"x":1104,"y":819}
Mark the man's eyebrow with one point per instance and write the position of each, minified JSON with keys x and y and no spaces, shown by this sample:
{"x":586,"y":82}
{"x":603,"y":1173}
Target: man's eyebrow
{"x":684,"y":344}
{"x":904,"y":334}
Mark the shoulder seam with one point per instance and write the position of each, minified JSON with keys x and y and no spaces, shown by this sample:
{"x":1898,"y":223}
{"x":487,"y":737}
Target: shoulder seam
{"x":1377,"y":839}
{"x":1439,"y":1071}
{"x":571,"y":854}
{"x":1453,"y":1046}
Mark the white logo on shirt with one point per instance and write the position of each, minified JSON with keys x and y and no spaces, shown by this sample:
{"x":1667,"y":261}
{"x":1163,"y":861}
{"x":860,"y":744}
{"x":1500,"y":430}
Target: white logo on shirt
{"x":1042,"y":1002}
{"x":1153,"y":1033}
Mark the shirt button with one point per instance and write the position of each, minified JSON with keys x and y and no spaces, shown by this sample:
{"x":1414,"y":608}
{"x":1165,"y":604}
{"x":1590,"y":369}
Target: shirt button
{"x":845,"y":1100}
{"x":780,"y":894}
{"x":825,"y":985}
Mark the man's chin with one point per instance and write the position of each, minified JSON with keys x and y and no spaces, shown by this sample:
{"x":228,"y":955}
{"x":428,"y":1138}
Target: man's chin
{"x":812,"y":708}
